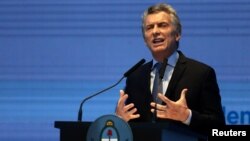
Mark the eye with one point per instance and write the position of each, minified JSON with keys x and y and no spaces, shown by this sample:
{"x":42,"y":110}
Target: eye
{"x":148,"y":27}
{"x":163,"y":24}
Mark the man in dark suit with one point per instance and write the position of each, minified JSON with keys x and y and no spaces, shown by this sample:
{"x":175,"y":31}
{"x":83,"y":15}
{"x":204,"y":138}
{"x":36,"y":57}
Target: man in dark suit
{"x":189,"y":90}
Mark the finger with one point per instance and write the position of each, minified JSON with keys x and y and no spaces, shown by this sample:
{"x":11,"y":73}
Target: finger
{"x":135,"y":116}
{"x":183,"y":93}
{"x":128,"y":107}
{"x":158,"y":106}
{"x":164,"y":99}
{"x":162,"y":114}
{"x":161,"y":107}
{"x":123,"y":98}
{"x":121,"y":101}
{"x":121,"y":93}
{"x":152,"y":104}
{"x":152,"y":110}
{"x":131,"y":112}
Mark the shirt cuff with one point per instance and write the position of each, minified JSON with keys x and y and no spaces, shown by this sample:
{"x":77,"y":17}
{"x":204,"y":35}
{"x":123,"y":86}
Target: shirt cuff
{"x":187,"y":122}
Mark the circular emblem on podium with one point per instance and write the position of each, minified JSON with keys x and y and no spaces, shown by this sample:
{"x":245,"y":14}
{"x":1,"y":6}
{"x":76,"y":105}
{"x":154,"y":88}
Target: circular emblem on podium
{"x":109,"y":128}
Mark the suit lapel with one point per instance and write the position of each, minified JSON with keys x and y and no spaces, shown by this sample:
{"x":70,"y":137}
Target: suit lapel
{"x":178,"y":71}
{"x":147,"y":77}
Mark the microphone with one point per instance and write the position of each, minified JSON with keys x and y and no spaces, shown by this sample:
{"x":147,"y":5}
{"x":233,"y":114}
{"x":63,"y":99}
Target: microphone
{"x":137,"y":65}
{"x":126,"y":74}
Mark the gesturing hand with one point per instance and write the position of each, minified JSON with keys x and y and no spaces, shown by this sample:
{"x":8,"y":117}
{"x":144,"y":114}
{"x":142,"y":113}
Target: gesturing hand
{"x":172,"y":110}
{"x":126,"y":112}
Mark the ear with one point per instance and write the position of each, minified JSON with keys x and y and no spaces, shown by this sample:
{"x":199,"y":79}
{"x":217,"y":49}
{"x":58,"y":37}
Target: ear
{"x":177,"y":37}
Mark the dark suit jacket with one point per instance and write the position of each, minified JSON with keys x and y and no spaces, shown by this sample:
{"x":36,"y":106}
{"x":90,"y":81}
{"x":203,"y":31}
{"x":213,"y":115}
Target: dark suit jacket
{"x":203,"y":96}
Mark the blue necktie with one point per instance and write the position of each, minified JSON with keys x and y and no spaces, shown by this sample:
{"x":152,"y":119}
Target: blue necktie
{"x":157,"y":87}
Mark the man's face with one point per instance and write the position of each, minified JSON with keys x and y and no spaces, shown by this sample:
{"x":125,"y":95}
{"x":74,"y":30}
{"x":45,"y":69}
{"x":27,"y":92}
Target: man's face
{"x":160,"y":35}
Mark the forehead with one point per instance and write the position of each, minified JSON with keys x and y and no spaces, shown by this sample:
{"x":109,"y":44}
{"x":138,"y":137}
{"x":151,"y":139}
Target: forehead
{"x":157,"y":17}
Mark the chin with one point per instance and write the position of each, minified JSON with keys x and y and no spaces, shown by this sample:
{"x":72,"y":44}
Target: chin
{"x":159,"y":48}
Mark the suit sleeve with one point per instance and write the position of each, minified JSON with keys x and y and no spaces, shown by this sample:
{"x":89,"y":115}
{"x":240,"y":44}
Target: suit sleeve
{"x":212,"y":114}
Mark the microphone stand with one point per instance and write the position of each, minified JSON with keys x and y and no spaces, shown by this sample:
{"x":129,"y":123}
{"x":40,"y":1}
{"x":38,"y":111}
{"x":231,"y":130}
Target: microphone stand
{"x":90,"y":96}
{"x":126,"y":74}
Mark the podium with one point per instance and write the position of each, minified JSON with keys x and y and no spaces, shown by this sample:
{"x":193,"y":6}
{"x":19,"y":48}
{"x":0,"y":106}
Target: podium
{"x":77,"y":131}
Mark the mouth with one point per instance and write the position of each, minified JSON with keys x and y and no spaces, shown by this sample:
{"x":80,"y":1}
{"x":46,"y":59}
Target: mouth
{"x":157,"y":41}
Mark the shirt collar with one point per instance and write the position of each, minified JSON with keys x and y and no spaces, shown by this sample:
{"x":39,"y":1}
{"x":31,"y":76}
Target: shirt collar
{"x":172,"y":60}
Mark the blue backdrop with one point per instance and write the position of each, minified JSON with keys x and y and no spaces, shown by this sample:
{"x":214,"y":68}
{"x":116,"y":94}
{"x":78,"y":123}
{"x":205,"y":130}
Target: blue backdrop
{"x":54,"y":53}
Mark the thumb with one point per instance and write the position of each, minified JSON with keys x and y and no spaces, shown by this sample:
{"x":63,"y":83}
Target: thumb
{"x":121,"y":93}
{"x":183,"y":94}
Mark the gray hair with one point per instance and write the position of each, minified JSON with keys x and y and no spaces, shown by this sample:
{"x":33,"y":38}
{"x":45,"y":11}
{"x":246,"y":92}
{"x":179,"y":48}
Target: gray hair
{"x":162,"y":7}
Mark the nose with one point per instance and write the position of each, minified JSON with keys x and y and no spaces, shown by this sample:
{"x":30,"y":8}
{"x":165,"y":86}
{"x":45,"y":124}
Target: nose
{"x":156,"y":30}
